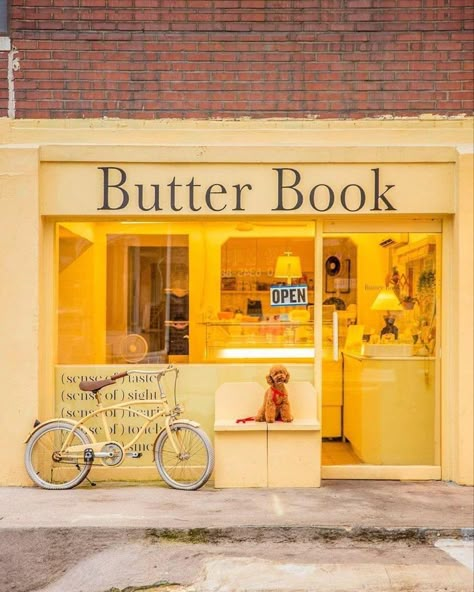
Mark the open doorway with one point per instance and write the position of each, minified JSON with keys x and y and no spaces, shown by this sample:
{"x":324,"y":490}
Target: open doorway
{"x":380,"y":401}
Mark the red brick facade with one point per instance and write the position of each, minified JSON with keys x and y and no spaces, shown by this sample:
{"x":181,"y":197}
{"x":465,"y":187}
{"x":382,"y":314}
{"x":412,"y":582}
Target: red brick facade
{"x":3,"y":83}
{"x":240,"y":58}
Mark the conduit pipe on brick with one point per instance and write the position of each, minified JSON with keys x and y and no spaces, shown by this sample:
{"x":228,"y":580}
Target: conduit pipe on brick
{"x":13,"y":66}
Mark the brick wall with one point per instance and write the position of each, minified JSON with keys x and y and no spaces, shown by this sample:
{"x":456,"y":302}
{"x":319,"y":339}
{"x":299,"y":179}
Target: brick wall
{"x":3,"y":84}
{"x":241,"y":58}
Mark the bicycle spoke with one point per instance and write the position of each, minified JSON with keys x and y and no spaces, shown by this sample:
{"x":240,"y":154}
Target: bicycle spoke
{"x":191,"y":467}
{"x":42,"y":465}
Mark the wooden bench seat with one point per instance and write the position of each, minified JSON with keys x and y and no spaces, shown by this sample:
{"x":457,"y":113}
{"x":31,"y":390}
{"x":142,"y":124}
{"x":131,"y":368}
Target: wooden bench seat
{"x":240,"y":448}
{"x":257,"y":454}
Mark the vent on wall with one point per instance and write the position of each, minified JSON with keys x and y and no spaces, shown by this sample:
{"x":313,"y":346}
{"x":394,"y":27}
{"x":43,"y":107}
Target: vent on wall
{"x":393,"y":242}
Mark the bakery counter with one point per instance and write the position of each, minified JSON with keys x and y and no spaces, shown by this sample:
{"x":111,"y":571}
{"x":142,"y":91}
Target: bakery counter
{"x":389,"y":409}
{"x":255,"y":339}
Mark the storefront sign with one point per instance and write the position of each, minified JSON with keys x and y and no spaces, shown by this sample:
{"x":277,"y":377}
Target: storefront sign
{"x":178,"y":189}
{"x":289,"y":295}
{"x":288,"y":194}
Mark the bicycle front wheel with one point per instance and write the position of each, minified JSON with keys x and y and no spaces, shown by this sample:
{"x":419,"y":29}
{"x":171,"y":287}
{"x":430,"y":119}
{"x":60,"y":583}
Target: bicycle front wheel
{"x":191,"y":464}
{"x":43,"y":463}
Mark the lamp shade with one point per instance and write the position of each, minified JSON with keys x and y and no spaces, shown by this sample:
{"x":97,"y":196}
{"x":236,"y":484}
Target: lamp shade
{"x":288,"y":266}
{"x":386,"y":300}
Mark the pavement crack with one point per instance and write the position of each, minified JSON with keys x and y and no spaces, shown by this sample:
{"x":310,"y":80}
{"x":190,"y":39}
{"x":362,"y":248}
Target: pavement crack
{"x":161,"y":586}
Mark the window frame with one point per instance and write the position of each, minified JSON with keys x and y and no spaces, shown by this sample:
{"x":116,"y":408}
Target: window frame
{"x":4,"y":18}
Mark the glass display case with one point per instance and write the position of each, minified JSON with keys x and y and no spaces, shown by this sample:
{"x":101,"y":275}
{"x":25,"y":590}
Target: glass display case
{"x":250,"y":338}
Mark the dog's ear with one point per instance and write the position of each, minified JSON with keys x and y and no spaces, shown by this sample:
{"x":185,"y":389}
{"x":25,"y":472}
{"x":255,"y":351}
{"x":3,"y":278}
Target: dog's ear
{"x":287,"y":379}
{"x":269,"y":379}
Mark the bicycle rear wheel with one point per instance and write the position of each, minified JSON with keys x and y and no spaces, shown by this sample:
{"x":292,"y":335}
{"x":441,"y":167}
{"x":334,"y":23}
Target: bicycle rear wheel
{"x":44,"y":466}
{"x":193,"y":465}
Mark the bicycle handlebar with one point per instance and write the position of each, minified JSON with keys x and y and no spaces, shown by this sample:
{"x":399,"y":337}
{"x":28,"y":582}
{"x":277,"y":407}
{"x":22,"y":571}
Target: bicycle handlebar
{"x":121,"y":375}
{"x":170,"y":368}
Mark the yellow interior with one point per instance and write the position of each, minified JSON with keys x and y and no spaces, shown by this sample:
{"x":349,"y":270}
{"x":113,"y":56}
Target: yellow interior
{"x":225,"y":271}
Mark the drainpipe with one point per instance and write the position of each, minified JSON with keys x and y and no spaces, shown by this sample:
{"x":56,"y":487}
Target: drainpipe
{"x":13,"y":66}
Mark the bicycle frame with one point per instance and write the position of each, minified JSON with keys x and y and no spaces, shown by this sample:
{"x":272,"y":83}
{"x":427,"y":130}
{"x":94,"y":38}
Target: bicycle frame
{"x":164,"y":410}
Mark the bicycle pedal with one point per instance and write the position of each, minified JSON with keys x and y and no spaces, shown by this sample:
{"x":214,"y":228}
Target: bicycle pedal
{"x":134,"y":454}
{"x":88,"y":455}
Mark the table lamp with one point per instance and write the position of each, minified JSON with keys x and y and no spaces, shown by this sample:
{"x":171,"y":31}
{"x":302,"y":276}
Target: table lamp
{"x":288,"y":266}
{"x":387,"y":300}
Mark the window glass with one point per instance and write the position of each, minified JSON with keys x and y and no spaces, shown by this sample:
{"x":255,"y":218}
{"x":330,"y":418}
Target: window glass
{"x":131,"y":292}
{"x":148,"y":315}
{"x":3,"y":17}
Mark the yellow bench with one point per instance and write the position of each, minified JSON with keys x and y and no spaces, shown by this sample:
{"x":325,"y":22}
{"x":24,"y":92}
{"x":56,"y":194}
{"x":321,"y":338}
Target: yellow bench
{"x":257,"y":454}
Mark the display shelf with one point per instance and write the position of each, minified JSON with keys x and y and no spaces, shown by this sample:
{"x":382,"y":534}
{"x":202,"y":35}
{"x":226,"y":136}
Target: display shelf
{"x":258,"y":339}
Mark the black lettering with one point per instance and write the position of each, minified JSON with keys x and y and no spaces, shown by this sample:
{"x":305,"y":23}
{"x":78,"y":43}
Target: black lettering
{"x":238,"y":196}
{"x":107,"y":185}
{"x":281,"y":186}
{"x":155,"y":205}
{"x":344,"y":201}
{"x":312,"y":196}
{"x":210,"y":190}
{"x":172,"y":187}
{"x":380,"y":196}
{"x":191,"y":186}
{"x":157,"y":197}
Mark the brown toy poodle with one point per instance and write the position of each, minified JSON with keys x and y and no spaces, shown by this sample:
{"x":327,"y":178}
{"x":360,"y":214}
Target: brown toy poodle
{"x":275,"y":403}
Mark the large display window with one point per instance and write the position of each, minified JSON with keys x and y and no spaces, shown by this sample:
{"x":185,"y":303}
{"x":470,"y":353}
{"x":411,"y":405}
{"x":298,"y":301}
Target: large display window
{"x":204,"y":293}
{"x":131,"y":292}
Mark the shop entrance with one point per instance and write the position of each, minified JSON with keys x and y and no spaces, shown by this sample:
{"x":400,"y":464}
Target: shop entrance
{"x":380,"y":335}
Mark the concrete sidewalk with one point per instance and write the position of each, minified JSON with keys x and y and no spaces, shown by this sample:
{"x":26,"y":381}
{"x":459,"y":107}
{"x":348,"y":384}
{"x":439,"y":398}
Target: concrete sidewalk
{"x":379,"y":536}
{"x":360,"y":509}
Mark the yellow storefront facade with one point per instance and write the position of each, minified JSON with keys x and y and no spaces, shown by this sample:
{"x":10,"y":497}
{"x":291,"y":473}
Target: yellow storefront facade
{"x":146,"y":243}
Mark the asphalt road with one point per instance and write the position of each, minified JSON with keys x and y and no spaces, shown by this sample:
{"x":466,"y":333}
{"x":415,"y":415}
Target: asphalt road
{"x":83,"y":560}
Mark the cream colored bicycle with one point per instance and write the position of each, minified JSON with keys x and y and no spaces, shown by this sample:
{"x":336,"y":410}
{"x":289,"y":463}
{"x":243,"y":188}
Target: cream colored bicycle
{"x":61,"y":452}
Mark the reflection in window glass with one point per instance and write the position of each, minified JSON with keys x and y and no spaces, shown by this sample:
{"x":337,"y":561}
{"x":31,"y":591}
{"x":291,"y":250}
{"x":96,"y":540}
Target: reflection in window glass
{"x":148,"y":315}
{"x":148,"y":292}
{"x":249,"y":268}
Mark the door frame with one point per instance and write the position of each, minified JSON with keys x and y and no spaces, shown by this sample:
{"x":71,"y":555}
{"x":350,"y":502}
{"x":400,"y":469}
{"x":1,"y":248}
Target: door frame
{"x":379,"y":224}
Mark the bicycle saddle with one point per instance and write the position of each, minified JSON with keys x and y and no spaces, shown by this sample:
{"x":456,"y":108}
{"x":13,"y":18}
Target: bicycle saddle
{"x":95,"y":385}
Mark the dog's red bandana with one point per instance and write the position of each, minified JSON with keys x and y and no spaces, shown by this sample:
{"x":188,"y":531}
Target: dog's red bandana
{"x":275,"y":394}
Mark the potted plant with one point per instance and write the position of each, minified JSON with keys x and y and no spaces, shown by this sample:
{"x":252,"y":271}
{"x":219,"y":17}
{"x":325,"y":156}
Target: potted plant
{"x":408,"y":302}
{"x":427,"y":281}
{"x":426,"y":291}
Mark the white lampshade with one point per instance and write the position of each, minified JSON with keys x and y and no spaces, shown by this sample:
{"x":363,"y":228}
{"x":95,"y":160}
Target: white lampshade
{"x":288,"y":266}
{"x":386,"y":300}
